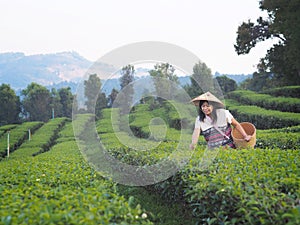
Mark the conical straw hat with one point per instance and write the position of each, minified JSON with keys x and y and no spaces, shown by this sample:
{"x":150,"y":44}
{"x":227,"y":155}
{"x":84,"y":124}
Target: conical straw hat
{"x":207,"y":97}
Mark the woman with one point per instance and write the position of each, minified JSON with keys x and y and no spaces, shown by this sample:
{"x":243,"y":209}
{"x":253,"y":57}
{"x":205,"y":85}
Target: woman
{"x":214,"y":122}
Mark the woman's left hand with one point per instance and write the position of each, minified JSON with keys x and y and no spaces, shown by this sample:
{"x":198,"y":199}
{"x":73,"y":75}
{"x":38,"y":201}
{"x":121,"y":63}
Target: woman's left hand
{"x":247,"y":138}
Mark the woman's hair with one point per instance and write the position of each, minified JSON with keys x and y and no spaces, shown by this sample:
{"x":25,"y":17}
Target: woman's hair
{"x":202,"y":115}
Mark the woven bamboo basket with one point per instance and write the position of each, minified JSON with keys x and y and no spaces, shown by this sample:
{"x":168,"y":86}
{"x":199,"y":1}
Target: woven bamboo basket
{"x":239,"y":139}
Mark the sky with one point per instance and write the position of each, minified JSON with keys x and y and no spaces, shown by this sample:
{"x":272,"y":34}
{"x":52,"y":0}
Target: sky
{"x":93,"y":28}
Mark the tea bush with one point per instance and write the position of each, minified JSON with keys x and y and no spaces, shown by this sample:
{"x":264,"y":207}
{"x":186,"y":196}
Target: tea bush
{"x":284,"y":104}
{"x":287,"y":91}
{"x":262,"y":118}
{"x":58,"y":187}
{"x":17,"y":136}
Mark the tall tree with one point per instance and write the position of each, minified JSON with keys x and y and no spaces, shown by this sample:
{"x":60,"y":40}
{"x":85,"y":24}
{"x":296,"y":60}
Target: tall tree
{"x":201,"y":80}
{"x":100,"y":104}
{"x":66,"y":100}
{"x":92,"y":88}
{"x":226,"y":84}
{"x":111,"y":98}
{"x":37,"y":102}
{"x":10,"y":105}
{"x":164,"y":77}
{"x":126,"y":94}
{"x":283,"y":24}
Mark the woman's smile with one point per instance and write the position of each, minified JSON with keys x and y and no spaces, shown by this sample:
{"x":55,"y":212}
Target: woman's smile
{"x":206,"y":109}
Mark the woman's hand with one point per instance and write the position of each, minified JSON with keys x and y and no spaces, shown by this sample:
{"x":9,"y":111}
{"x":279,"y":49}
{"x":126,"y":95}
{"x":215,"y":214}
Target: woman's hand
{"x":247,"y":137}
{"x":192,"y":146}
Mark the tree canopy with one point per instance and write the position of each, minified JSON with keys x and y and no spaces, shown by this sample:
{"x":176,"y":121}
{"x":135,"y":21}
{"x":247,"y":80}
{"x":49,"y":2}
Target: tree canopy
{"x":125,"y":98}
{"x":164,"y":78}
{"x":283,"y":23}
{"x":10,"y":105}
{"x":37,"y":102}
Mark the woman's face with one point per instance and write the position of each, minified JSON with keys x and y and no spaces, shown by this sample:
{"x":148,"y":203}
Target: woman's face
{"x":206,"y":108}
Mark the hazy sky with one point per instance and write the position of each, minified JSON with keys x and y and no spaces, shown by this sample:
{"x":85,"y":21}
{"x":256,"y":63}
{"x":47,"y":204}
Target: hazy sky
{"x":95,"y":27}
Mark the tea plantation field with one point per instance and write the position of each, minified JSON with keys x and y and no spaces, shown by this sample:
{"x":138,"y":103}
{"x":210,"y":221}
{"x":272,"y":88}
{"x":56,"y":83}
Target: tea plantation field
{"x":47,"y":180}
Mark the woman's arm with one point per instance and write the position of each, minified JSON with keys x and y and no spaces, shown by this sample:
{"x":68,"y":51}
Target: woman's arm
{"x":195,"y":138}
{"x":238,"y":126}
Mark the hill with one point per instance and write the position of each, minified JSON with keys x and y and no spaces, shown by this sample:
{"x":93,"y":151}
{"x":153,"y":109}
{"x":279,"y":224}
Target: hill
{"x":19,"y":70}
{"x":60,"y":70}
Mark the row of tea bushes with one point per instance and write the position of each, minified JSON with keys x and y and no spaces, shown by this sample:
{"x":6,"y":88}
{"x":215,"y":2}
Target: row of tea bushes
{"x":5,"y":128}
{"x":287,"y":91}
{"x":127,"y":148}
{"x":260,"y":186}
{"x":42,"y":140}
{"x":284,"y":138}
{"x":58,"y":187}
{"x":17,"y":136}
{"x":284,"y":104}
{"x":262,"y":118}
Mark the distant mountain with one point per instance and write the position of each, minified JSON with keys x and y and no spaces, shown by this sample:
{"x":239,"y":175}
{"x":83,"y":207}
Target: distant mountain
{"x":65,"y":69}
{"x":19,"y":70}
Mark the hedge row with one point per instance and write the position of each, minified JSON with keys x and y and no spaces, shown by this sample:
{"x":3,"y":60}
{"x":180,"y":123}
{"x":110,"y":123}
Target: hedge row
{"x":5,"y":128}
{"x":58,"y":187}
{"x":42,"y":140}
{"x":258,"y":186}
{"x":17,"y":136}
{"x":262,"y":118}
{"x":284,"y":138}
{"x":284,"y":104}
{"x":288,"y":91}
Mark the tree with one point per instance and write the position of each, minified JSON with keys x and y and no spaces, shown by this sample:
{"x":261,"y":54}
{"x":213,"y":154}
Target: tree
{"x":56,"y":105}
{"x":226,"y":84}
{"x":111,"y":98}
{"x":66,"y":100}
{"x":10,"y":105}
{"x":283,"y":24}
{"x":201,"y":80}
{"x":127,"y":91}
{"x":37,"y":102}
{"x":92,"y":88}
{"x":101,"y":103}
{"x":127,"y":77}
{"x":164,"y":78}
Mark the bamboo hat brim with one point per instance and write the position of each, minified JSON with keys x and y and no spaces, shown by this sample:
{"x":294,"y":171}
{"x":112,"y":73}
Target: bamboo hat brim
{"x":207,"y":97}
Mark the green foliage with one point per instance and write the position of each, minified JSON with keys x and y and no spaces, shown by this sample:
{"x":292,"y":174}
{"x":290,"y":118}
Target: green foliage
{"x":164,"y":80}
{"x":259,"y":186}
{"x":248,"y":186}
{"x":201,"y":80}
{"x":42,"y":140}
{"x":287,"y":91}
{"x":226,"y":84}
{"x":112,"y":97}
{"x":6,"y":128}
{"x":66,"y":100}
{"x":10,"y":105}
{"x":266,"y":101}
{"x":36,"y":102}
{"x":58,"y":187}
{"x":284,"y":138}
{"x":92,"y":88}
{"x":17,"y":136}
{"x":245,"y":187}
{"x":283,"y":58}
{"x":262,"y":118}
